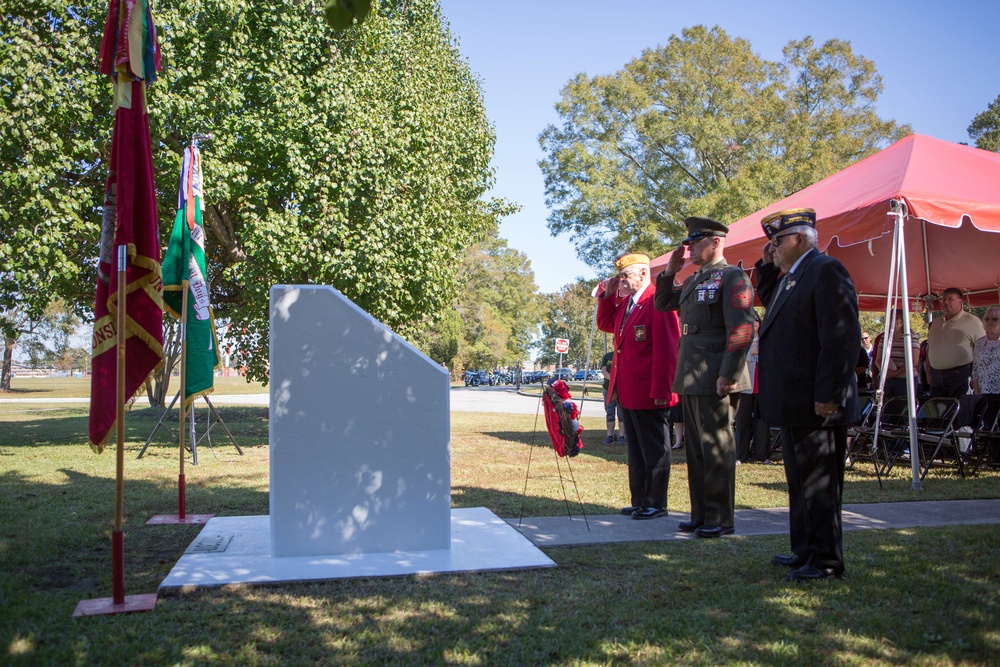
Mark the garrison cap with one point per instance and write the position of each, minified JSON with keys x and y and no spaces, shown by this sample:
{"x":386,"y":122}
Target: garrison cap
{"x":782,"y":220}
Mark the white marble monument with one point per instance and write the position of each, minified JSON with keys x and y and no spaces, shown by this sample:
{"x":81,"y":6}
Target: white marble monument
{"x":360,"y":466}
{"x":359,"y":431}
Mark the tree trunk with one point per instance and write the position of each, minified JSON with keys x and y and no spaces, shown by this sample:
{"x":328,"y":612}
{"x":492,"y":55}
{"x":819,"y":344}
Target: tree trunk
{"x":8,"y":357}
{"x":158,"y":386}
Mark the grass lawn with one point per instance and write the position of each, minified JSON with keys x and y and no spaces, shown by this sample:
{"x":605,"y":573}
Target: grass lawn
{"x":917,"y":596}
{"x":80,"y":387}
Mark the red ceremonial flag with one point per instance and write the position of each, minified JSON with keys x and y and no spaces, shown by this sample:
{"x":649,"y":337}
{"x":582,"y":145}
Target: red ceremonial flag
{"x":130,"y":220}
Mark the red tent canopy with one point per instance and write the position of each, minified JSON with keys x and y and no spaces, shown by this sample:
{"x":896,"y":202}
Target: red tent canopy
{"x":952,"y":194}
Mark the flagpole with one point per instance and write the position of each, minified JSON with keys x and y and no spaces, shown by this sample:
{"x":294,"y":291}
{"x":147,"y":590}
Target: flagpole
{"x":117,"y":536}
{"x":181,"y":489}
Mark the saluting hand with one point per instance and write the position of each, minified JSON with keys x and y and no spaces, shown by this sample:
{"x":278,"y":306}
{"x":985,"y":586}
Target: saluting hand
{"x":676,"y":261}
{"x":767,"y":253}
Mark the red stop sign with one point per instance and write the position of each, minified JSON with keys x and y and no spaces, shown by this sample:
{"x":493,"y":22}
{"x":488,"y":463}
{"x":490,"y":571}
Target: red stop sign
{"x":562,"y":345}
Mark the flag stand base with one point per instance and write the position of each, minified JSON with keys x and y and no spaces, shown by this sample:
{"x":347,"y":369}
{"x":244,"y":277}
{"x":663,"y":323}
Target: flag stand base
{"x":104,"y":606}
{"x":176,"y":519}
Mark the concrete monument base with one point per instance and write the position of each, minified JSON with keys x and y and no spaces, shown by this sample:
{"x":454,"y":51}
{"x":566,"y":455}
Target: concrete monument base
{"x":237,"y":550}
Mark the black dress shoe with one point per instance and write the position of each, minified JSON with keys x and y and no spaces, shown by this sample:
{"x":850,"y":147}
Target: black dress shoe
{"x":788,"y":560}
{"x":689,"y":526}
{"x":649,"y":513}
{"x":714,"y":531}
{"x":810,"y":573}
{"x":627,"y":511}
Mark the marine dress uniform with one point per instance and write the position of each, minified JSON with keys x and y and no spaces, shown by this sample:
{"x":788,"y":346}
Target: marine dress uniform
{"x":716,"y":314}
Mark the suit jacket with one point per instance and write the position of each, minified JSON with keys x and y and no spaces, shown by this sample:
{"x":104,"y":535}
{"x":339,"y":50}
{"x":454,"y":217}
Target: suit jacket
{"x":716,"y":314}
{"x":645,"y":351}
{"x":809,"y":342}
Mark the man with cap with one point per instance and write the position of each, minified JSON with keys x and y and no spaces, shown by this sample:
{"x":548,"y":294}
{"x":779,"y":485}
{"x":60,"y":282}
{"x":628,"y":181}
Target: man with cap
{"x":716,"y":312}
{"x":645,"y":345}
{"x":809,"y":342}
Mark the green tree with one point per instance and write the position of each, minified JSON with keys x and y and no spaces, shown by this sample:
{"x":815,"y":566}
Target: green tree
{"x":45,"y":339}
{"x":702,"y":126}
{"x":498,"y":307}
{"x":985,"y":127}
{"x":569,"y":313}
{"x":54,"y":141}
{"x":357,"y":159}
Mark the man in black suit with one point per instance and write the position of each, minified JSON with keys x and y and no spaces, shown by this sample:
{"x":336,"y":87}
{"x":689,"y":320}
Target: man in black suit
{"x":809,"y":342}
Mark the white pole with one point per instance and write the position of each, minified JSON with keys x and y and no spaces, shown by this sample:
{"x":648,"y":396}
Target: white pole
{"x":899,"y":210}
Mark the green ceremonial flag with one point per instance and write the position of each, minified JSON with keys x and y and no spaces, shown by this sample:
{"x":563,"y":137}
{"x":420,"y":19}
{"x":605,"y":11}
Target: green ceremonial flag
{"x":184,"y":268}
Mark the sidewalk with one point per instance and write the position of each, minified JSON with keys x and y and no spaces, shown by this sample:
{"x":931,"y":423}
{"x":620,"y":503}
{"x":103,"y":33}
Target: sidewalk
{"x":554,"y":531}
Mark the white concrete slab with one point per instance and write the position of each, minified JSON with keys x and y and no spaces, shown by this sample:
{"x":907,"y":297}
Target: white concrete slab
{"x":480,"y":541}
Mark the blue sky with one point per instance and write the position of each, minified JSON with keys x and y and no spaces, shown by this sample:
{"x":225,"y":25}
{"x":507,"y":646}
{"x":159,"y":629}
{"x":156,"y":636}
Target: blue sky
{"x":939,"y":62}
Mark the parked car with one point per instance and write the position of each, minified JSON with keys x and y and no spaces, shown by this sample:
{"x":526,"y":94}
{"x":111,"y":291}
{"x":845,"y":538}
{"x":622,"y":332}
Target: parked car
{"x":537,"y":376}
{"x":580,"y":375}
{"x":562,"y":374}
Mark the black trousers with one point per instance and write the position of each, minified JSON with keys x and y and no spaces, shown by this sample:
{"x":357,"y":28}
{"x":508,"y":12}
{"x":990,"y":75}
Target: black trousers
{"x":951,"y":382}
{"x":753,"y":437}
{"x":814,"y":468}
{"x":647,"y":434}
{"x":711,"y":459}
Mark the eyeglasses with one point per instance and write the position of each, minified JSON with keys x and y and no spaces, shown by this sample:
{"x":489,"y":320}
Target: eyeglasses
{"x":990,"y":319}
{"x":864,"y":338}
{"x":776,"y":241}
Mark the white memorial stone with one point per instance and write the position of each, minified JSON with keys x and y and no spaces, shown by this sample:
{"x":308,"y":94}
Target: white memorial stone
{"x":359,"y":432}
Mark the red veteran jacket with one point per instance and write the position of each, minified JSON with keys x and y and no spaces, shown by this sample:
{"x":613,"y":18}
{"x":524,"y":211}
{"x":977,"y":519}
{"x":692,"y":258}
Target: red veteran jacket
{"x":645,"y":351}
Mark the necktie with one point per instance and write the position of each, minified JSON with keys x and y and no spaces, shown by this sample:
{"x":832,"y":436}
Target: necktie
{"x":782,"y":284}
{"x":628,"y":308}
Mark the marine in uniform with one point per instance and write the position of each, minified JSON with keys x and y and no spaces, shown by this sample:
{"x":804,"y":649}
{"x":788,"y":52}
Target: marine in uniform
{"x":644,"y":362}
{"x":716,"y":315}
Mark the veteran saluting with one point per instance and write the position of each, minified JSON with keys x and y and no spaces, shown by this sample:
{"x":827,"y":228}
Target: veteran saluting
{"x":644,"y":361}
{"x":716,"y":311}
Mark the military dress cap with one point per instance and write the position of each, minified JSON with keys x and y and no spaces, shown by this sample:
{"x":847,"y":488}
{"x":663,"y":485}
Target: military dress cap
{"x":782,"y":220}
{"x":699,"y":228}
{"x":631,"y":258}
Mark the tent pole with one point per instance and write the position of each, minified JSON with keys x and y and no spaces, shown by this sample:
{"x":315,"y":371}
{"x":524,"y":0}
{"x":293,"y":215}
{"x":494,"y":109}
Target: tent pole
{"x":887,"y":334}
{"x":899,"y":210}
{"x":927,"y":261}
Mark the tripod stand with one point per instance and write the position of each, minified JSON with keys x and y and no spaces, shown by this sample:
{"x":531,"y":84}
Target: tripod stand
{"x":209,"y":425}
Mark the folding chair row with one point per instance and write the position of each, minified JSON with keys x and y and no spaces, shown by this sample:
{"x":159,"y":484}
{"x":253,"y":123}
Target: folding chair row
{"x":985,"y":445}
{"x":937,"y":437}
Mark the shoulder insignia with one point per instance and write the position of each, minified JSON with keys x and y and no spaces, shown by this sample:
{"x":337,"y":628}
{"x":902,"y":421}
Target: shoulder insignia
{"x":740,"y":337}
{"x":742,"y":296}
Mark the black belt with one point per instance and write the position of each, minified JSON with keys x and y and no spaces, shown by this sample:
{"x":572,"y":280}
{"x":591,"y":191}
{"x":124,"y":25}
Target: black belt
{"x":954,"y":370}
{"x":689,"y":329}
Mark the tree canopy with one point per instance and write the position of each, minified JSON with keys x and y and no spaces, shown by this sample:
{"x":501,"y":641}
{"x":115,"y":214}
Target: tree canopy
{"x":357,"y":158}
{"x":985,"y":127}
{"x":569,"y":313}
{"x":494,"y":317}
{"x":702,"y":126}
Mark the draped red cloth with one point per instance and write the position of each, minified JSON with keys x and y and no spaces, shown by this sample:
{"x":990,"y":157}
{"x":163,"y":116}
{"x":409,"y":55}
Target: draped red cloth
{"x":130,"y":220}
